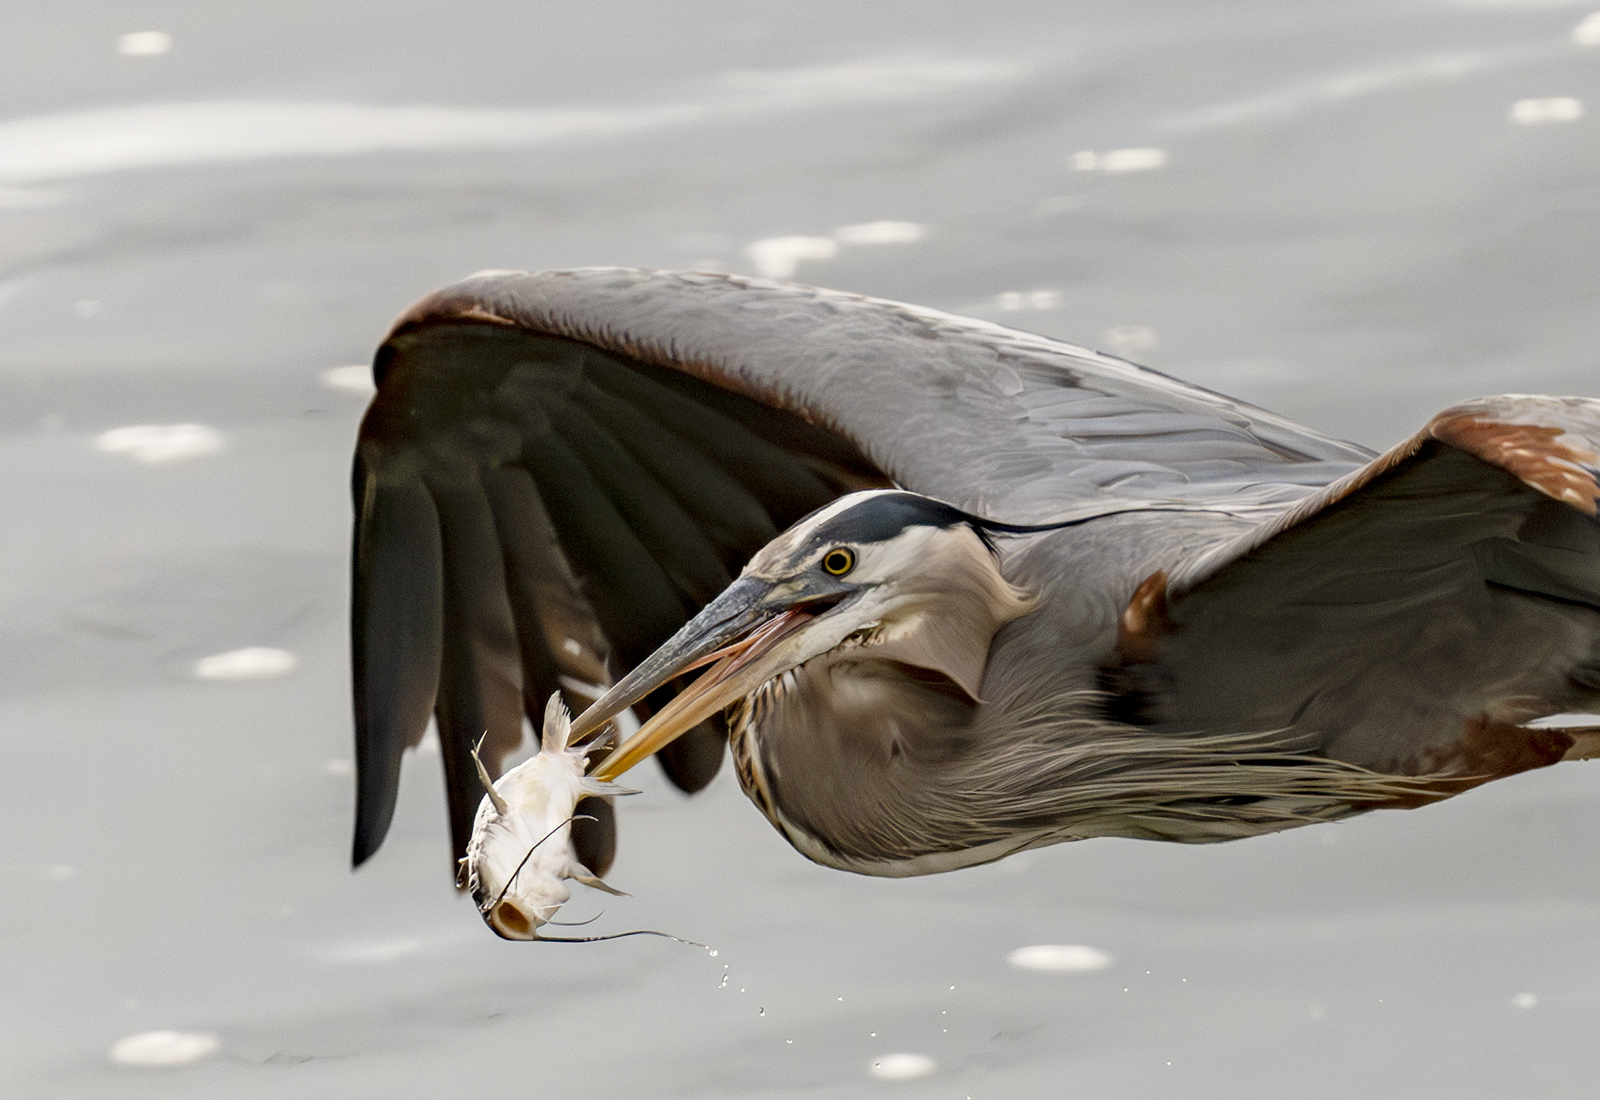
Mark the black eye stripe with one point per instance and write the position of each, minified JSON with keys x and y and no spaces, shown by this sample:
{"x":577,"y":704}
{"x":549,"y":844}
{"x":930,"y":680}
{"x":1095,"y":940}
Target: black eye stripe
{"x":838,"y":561}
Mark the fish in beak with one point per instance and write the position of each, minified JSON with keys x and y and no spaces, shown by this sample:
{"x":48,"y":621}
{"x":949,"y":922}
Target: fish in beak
{"x":519,"y":859}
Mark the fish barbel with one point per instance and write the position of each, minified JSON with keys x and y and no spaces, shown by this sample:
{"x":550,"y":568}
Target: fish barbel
{"x":520,"y":857}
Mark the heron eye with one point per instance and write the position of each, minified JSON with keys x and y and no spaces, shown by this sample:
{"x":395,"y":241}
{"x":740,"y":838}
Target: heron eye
{"x":839,"y":561}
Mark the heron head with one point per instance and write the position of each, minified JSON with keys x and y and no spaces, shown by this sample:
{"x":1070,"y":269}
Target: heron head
{"x":913,"y":579}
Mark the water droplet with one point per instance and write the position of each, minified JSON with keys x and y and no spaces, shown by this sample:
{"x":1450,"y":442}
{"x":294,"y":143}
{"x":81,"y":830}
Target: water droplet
{"x":1524,"y":1000}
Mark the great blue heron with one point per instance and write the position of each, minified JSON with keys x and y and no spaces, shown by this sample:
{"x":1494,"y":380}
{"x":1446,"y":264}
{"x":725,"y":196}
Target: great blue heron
{"x":996,"y":591}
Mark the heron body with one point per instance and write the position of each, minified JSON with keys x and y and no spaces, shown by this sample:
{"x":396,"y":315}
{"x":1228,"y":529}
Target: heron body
{"x":951,"y":590}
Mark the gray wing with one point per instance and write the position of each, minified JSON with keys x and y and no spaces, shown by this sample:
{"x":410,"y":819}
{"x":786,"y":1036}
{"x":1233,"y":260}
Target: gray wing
{"x":1410,"y":618}
{"x":560,"y":468}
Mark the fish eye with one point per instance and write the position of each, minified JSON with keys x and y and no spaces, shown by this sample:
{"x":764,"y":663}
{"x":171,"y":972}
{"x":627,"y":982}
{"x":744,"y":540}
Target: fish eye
{"x":838,"y":561}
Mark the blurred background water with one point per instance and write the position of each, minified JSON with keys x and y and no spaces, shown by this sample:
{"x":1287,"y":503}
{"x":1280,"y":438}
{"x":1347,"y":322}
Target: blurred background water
{"x":1351,"y":212}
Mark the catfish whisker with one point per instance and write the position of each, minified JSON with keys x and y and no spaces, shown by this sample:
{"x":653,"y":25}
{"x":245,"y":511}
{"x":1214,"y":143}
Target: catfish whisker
{"x":577,"y":923}
{"x":618,"y":936}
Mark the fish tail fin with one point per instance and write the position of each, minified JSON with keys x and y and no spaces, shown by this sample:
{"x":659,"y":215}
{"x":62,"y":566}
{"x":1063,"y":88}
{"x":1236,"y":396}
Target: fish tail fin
{"x":557,"y":725}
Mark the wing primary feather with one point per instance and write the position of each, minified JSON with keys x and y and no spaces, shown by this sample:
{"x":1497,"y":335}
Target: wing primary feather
{"x":396,"y":636}
{"x":729,"y":514}
{"x":672,"y":538}
{"x":556,"y":628}
{"x":480,"y":676}
{"x":635,"y":602}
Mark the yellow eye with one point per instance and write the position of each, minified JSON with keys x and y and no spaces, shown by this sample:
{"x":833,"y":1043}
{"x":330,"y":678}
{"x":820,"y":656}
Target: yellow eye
{"x":839,"y":561}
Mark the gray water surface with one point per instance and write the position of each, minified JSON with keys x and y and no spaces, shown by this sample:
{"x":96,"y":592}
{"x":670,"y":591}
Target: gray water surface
{"x":1336,"y":214}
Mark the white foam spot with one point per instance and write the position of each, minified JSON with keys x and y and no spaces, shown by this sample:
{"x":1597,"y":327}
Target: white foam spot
{"x":1533,"y":112}
{"x":144,"y":43}
{"x":1059,"y":957}
{"x":881,"y":233}
{"x":1130,"y":339}
{"x":1133,"y":160}
{"x":344,"y":769}
{"x":1524,"y":1000}
{"x":903,"y":1067}
{"x":163,"y":1048}
{"x":777,"y":257}
{"x":1587,"y":33}
{"x":154,"y":444}
{"x":1120,"y":160}
{"x":355,"y":378}
{"x":372,"y":952}
{"x":1014,"y":300}
{"x":251,"y":663}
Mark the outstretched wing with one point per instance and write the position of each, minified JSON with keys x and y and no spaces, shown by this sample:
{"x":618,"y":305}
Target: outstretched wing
{"x":1410,"y":618}
{"x":559,"y":469}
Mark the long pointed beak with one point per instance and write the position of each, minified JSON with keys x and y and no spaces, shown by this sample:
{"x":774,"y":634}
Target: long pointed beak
{"x":718,"y":687}
{"x":730,"y":631}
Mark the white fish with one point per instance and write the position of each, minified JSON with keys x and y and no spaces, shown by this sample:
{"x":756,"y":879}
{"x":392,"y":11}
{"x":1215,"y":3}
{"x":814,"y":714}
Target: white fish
{"x":520,"y":857}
